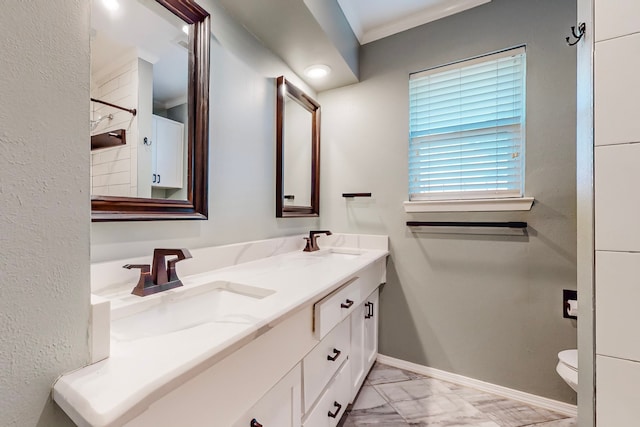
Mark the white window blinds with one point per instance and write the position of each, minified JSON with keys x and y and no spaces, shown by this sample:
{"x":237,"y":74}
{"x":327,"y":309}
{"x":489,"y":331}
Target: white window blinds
{"x":467,"y":129}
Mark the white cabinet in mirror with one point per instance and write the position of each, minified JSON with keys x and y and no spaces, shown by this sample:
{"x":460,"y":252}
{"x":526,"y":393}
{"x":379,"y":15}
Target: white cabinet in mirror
{"x":167,"y":150}
{"x":298,"y":123}
{"x":139,"y":60}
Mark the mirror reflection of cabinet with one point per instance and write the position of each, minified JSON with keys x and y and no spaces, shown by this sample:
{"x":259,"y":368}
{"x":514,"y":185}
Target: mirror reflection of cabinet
{"x":166,"y":153}
{"x":297,"y":152}
{"x":298,"y":122}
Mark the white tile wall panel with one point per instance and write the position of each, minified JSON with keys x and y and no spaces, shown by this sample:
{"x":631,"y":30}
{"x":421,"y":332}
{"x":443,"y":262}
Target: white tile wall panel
{"x":618,"y":303}
{"x":112,"y":167}
{"x":112,"y":155}
{"x":100,"y":190}
{"x":617,"y":197}
{"x":112,"y":179}
{"x":615,"y":18}
{"x":123,"y":190}
{"x":617,"y":90}
{"x":617,"y":392}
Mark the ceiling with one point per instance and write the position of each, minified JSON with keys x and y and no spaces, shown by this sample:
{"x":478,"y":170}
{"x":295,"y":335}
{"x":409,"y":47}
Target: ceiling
{"x":307,"y":32}
{"x":301,"y":32}
{"x":371,"y":20}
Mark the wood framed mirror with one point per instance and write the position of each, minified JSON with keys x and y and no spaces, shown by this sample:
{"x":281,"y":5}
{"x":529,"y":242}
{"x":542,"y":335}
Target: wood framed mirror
{"x":297,"y":152}
{"x":192,"y":202}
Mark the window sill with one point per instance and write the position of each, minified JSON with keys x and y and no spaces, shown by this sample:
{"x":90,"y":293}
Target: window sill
{"x":475,"y":205}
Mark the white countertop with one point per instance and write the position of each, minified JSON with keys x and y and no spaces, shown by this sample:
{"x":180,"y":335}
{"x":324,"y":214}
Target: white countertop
{"x":143,"y":368}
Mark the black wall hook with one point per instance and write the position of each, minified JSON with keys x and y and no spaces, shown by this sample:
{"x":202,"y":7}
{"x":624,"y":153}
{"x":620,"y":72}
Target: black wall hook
{"x":581,"y":30}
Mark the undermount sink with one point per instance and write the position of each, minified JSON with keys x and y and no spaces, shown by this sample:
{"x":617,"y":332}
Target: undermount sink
{"x":219,"y":301}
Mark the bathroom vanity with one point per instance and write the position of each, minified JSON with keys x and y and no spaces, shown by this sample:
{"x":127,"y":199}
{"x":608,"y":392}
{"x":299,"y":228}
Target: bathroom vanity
{"x":261,"y":333}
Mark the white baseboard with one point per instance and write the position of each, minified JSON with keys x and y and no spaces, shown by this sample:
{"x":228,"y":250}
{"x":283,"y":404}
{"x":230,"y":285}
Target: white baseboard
{"x":520,"y":396}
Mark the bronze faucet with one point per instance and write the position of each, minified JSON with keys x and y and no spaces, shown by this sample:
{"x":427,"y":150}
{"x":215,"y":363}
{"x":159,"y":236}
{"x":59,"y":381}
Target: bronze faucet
{"x":163,"y":276}
{"x":312,"y":240}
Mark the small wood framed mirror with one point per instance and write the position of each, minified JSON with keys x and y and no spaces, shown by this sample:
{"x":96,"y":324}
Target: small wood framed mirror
{"x":297,"y":152}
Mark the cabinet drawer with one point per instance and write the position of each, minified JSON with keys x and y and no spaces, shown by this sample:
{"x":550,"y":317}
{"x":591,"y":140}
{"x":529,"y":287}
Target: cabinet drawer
{"x":333,"y":402}
{"x":335,"y":307}
{"x":323,"y":361}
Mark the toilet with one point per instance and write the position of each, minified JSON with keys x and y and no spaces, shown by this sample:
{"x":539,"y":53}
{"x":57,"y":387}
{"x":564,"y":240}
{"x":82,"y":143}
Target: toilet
{"x":567,"y":367}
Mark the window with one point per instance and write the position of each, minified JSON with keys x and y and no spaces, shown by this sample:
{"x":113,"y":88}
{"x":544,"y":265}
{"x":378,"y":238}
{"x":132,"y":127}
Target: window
{"x":466,"y":131}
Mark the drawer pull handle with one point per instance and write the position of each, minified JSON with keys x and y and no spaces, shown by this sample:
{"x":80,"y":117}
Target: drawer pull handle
{"x":347,"y":304}
{"x":255,"y":423}
{"x":369,"y":314}
{"x":336,"y":354}
{"x":335,"y":414}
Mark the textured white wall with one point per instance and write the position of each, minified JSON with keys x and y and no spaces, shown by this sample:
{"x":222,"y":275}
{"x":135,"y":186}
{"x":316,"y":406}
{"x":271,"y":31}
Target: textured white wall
{"x":44,"y":199}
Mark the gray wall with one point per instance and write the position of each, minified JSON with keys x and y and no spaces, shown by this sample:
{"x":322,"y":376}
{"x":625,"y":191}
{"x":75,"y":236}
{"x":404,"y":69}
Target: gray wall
{"x":242,"y":156}
{"x":487,"y":307}
{"x":44,"y":199}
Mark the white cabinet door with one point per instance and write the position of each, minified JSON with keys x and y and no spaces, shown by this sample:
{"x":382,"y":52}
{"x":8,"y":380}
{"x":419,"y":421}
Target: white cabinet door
{"x":167,"y":153}
{"x":280,"y":407}
{"x":370,"y":331}
{"x":357,"y":350}
{"x":364,"y":341}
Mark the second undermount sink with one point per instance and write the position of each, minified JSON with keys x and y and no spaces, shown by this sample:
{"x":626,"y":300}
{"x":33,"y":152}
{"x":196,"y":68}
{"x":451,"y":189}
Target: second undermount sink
{"x":219,"y":301}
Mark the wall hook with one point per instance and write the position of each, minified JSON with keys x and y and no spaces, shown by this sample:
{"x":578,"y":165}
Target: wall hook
{"x":581,"y":30}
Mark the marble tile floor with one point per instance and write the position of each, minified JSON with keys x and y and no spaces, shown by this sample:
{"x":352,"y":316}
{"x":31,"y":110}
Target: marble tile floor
{"x":393,"y":397}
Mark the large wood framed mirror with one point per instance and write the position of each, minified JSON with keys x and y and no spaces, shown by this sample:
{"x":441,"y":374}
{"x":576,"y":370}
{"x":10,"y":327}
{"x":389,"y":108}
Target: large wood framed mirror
{"x":158,"y":96}
{"x":297,"y":152}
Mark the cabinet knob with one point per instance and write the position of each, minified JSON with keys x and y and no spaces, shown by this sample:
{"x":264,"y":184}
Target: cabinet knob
{"x":347,"y":304}
{"x":336,"y":354}
{"x":255,"y":423}
{"x":335,"y":414}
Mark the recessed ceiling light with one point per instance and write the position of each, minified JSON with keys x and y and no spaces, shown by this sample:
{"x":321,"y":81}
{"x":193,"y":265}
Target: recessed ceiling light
{"x":317,"y":71}
{"x":111,"y":4}
{"x":185,"y":29}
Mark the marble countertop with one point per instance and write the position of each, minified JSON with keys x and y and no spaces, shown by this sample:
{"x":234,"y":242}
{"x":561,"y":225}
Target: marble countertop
{"x":142,"y":366}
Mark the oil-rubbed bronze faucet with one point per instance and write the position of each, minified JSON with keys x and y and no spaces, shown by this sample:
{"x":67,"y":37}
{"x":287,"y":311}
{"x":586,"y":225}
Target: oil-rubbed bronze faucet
{"x":162,"y":276}
{"x":312,"y":240}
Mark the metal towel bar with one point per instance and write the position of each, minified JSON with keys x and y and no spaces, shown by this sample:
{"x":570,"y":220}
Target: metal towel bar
{"x":356,"y":195}
{"x":508,"y":224}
